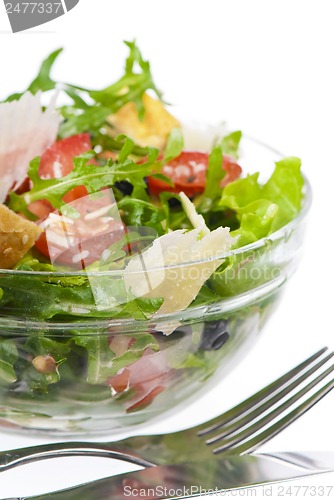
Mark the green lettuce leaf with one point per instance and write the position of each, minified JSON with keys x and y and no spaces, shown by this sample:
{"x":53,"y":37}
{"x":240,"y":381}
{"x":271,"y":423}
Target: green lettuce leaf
{"x":209,"y":200}
{"x":241,"y":192}
{"x":257,"y":221}
{"x":8,"y":357}
{"x":230,"y":143}
{"x":174,"y":146}
{"x":262,"y":209}
{"x":214,"y":175}
{"x":285,"y":188}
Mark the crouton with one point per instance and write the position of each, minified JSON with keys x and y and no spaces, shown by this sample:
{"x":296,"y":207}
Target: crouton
{"x":17,"y":236}
{"x":153,"y":130}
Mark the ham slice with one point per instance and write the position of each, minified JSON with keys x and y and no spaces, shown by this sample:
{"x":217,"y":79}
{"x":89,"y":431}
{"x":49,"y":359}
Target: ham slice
{"x":25,"y":132}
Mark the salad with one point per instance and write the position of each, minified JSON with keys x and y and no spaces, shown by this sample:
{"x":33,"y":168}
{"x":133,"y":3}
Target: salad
{"x":106,"y":215}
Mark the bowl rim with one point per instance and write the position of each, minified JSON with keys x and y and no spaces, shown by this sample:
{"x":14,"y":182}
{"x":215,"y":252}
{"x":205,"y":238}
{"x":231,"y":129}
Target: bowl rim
{"x":307,"y":202}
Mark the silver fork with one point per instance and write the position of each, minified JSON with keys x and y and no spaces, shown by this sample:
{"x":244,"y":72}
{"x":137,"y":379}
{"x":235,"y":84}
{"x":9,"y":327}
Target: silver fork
{"x":239,"y":430}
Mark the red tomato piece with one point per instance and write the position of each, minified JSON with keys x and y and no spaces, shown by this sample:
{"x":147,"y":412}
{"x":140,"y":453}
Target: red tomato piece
{"x":121,"y":381}
{"x":41,"y":209}
{"x":23,"y":187}
{"x":57,"y":160}
{"x":188,"y":173}
{"x":144,"y":400}
{"x":232,"y":169}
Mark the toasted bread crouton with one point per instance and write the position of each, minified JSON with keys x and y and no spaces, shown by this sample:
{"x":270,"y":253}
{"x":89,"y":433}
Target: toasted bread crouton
{"x":153,"y":130}
{"x":17,"y":236}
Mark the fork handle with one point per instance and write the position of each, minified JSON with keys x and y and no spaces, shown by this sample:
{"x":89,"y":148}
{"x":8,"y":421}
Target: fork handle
{"x":13,"y":458}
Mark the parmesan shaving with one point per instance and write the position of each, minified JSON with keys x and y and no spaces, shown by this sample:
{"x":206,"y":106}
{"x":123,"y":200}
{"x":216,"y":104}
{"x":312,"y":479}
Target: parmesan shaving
{"x":25,"y":132}
{"x":176,"y":266}
{"x":196,"y":219}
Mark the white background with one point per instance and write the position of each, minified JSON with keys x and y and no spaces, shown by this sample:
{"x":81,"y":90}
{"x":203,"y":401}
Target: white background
{"x":264,"y":66}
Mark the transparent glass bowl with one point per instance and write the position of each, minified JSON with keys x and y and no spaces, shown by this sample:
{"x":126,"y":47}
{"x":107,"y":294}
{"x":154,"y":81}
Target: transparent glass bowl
{"x":105,"y":374}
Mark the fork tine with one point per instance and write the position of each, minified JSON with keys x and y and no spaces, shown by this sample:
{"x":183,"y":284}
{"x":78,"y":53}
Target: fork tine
{"x":254,"y":443}
{"x":260,"y":396}
{"x":238,"y":424}
{"x":246,"y":432}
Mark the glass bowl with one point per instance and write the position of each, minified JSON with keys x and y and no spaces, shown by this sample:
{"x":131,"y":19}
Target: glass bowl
{"x":108,"y":373}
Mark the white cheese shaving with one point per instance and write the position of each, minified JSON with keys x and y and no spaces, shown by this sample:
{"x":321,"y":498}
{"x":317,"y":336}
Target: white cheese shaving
{"x":25,"y":132}
{"x":196,"y":219}
{"x":185,"y":262}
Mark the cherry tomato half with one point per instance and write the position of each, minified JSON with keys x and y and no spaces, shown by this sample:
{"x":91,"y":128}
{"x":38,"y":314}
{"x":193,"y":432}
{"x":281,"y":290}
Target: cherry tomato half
{"x":57,"y":160}
{"x":188,"y":173}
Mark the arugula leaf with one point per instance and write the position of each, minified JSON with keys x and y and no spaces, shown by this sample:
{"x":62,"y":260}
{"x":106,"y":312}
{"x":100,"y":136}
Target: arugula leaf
{"x":45,"y":299}
{"x":83,"y":115}
{"x":204,"y":362}
{"x":43,"y":82}
{"x":30,"y":263}
{"x":38,"y":381}
{"x":91,"y":118}
{"x":39,"y":345}
{"x":108,"y":143}
{"x":8,"y":357}
{"x":83,"y":174}
{"x":100,"y":357}
{"x":131,"y":86}
{"x":140,"y":308}
{"x":140,"y":213}
{"x":66,"y":297}
{"x":205,"y":296}
{"x":176,"y":217}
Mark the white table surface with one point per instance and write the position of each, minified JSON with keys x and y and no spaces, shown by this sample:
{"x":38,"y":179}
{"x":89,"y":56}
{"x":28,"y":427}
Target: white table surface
{"x":265,"y":67}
